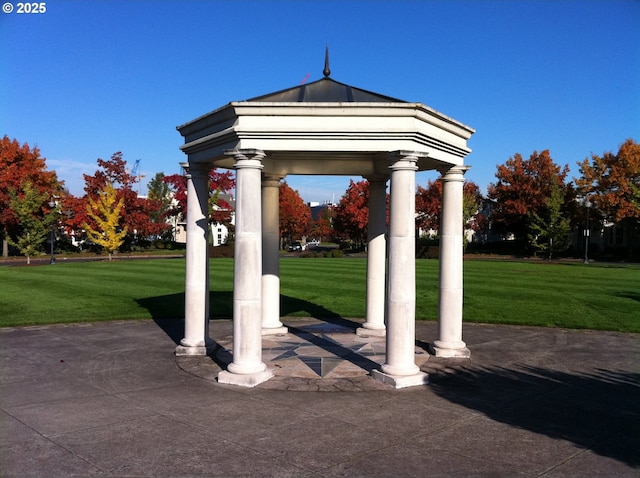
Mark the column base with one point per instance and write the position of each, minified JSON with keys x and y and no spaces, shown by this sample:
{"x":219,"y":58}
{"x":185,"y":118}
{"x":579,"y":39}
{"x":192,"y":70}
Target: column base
{"x":365,"y":332}
{"x":186,"y":349}
{"x":448,"y":350}
{"x":275,"y":330}
{"x":248,"y":380}
{"x":418,"y":379}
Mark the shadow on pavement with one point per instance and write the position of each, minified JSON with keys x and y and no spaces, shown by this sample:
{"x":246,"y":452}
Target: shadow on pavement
{"x":566,"y":406}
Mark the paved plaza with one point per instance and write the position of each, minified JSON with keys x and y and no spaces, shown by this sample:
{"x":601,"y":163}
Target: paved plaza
{"x":112,"y":399}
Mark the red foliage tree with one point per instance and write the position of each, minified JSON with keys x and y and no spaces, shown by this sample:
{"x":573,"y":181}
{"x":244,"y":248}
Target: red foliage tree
{"x":522,"y":190}
{"x":19,"y":164}
{"x":136,"y":213}
{"x":322,"y":227}
{"x":352,"y":213}
{"x":429,"y":205}
{"x":221,"y":184}
{"x":295,"y":215}
{"x":612,"y":182}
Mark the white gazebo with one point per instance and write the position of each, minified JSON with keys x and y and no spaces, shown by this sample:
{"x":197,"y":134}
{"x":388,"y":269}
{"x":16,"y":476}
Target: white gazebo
{"x":325,"y":128}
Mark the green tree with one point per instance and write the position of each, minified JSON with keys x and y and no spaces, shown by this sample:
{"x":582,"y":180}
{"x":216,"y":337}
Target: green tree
{"x":160,"y":191}
{"x":549,"y":228}
{"x":106,"y":212}
{"x":32,"y":220}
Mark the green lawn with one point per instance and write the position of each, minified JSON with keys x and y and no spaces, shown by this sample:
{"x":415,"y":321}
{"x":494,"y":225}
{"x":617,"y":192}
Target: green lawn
{"x":594,"y":296}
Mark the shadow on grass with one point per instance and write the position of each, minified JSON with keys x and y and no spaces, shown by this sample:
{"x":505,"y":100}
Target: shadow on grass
{"x":168,"y":311}
{"x":597,"y":411}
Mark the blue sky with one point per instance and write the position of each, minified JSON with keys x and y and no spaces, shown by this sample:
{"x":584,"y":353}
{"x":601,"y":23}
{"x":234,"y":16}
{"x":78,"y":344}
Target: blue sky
{"x":88,"y":78}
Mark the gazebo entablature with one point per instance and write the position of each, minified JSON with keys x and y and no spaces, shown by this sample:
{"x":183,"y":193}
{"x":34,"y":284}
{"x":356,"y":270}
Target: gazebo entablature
{"x":379,"y":138}
{"x":326,"y":138}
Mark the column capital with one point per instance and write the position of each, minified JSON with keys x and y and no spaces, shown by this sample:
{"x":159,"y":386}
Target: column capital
{"x":405,"y":159}
{"x":271,"y":180}
{"x":455,"y":173}
{"x":247,"y":158}
{"x":377,"y":178}
{"x":194,"y":169}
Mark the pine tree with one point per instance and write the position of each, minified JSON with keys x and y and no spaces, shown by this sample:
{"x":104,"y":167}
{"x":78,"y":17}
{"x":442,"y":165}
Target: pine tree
{"x":106,"y":212}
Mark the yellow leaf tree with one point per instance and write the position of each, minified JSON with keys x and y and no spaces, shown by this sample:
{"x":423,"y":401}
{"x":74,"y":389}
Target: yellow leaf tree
{"x":105,"y":211}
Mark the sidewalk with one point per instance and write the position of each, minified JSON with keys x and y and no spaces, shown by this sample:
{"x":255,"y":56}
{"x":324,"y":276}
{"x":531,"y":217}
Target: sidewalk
{"x":111,"y":399}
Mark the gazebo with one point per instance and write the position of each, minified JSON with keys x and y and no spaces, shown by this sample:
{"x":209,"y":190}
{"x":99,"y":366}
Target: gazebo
{"x":325,"y":128}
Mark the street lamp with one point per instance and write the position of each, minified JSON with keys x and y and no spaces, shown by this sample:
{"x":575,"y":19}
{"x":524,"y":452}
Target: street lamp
{"x":587,"y":204}
{"x":52,"y":205}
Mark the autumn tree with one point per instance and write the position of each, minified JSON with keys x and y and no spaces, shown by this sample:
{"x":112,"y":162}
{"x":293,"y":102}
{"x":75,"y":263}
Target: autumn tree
{"x":522,"y":189}
{"x":221,"y":185}
{"x":295,"y":215}
{"x":28,"y":206}
{"x":105,"y":211}
{"x":429,"y":206}
{"x":550,"y":228}
{"x":19,"y":164}
{"x":322,"y":227}
{"x":612,"y":182}
{"x":352,"y":212}
{"x":136,"y":211}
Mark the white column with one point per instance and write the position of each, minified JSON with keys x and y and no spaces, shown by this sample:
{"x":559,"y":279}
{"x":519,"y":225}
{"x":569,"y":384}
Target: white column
{"x":400,"y":369}
{"x":271,"y":324}
{"x":449,"y":343}
{"x":376,"y":258}
{"x":196,"y":326}
{"x":247,"y":368}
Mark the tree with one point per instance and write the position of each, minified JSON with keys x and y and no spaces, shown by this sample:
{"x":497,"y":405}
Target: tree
{"x":221,"y":184}
{"x":322,"y":228}
{"x":550,"y":228}
{"x":429,"y":206}
{"x":160,"y":192}
{"x":136,"y":212}
{"x":522,"y":189}
{"x":27,"y":206}
{"x":105,"y":211}
{"x":295,"y":215}
{"x":18,"y":164}
{"x":612,"y":182}
{"x":352,"y":212}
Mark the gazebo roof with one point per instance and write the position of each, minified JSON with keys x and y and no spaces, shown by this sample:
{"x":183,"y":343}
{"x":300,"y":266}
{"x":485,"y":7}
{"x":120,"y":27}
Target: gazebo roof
{"x":325,"y":90}
{"x":326,"y":127}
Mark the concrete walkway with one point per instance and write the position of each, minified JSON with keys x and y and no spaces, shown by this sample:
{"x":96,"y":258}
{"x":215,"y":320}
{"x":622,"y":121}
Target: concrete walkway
{"x":112,"y":399}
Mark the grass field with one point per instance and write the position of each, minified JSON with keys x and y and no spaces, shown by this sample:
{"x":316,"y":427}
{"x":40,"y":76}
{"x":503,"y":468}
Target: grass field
{"x":594,"y":296}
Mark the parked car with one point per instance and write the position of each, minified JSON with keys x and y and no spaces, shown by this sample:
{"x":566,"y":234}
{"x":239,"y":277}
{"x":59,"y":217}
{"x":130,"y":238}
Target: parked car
{"x":295,"y":246}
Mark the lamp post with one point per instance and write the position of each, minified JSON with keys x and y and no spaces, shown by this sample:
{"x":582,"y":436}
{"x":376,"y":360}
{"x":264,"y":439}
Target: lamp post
{"x":587,"y":204}
{"x":52,"y":205}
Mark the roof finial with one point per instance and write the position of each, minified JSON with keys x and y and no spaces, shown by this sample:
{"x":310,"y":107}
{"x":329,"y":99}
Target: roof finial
{"x":326,"y":72}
